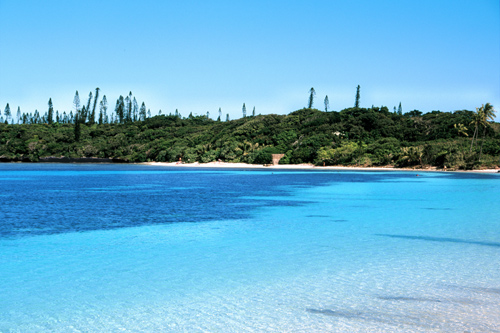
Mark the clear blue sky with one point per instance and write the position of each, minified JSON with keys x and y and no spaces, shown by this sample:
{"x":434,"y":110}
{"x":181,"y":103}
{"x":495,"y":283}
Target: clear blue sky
{"x":197,"y":56}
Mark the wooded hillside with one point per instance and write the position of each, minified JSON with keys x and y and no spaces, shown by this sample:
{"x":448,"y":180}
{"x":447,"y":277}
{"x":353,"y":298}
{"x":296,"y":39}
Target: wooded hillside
{"x":354,"y":136}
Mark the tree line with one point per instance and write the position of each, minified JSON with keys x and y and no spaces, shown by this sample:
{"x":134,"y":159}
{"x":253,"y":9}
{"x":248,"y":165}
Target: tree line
{"x":372,"y":136}
{"x":126,"y":110}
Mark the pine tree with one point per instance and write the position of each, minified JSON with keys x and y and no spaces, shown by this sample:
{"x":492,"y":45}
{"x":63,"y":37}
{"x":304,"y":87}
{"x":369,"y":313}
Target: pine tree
{"x":129,"y":106}
{"x":253,"y":112}
{"x":227,"y":117}
{"x":327,"y":103}
{"x":92,"y":115}
{"x":103,"y":108}
{"x":400,"y":109}
{"x":220,"y":115}
{"x":77,"y":128}
{"x":85,"y":115}
{"x":6,"y":113}
{"x":356,"y":102}
{"x":101,"y":114}
{"x":142,"y":112}
{"x":312,"y":92}
{"x":18,"y":114}
{"x":120,"y":109}
{"x":50,"y":113}
{"x":135,"y":109}
{"x":127,"y":109}
{"x":76,"y":102}
{"x":244,"y":109}
{"x":149,"y":113}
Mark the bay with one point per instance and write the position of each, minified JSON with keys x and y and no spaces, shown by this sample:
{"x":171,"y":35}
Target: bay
{"x":89,"y":248}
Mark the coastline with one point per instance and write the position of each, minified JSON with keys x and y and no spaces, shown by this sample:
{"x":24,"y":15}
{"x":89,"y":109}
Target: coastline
{"x":223,"y":165}
{"x":229,"y":165}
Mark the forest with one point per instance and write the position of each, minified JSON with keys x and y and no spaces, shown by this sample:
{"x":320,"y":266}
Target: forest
{"x":458,"y":140}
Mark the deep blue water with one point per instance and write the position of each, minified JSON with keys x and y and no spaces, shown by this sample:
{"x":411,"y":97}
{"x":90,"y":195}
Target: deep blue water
{"x":56,"y":198}
{"x":93,"y":248}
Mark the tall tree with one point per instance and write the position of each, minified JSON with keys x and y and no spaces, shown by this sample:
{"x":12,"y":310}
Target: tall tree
{"x":477,"y":119}
{"x":220,"y":114}
{"x":85,"y":116}
{"x":227,"y":117}
{"x":356,"y":101}
{"x":50,"y":112}
{"x":142,"y":112}
{"x":119,"y":109}
{"x":126,"y":109}
{"x":327,"y":103}
{"x":312,"y":92}
{"x":400,"y":109}
{"x":76,"y":102}
{"x":135,"y":109}
{"x":6,"y":113}
{"x":18,"y":114}
{"x":253,"y":112}
{"x":104,"y":106}
{"x":244,"y":109}
{"x":101,"y":114}
{"x":488,"y":113}
{"x":92,"y":114}
{"x":129,"y":107}
{"x":77,"y":129}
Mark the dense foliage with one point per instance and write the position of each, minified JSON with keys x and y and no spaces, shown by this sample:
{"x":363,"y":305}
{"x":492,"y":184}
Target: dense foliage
{"x":354,"y":136}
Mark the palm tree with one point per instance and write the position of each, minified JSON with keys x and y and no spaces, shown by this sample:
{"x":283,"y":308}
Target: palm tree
{"x":461,"y":129}
{"x":488,"y":113}
{"x":476,"y":121}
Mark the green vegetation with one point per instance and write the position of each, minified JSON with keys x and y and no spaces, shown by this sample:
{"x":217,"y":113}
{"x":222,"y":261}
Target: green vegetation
{"x":354,"y":136}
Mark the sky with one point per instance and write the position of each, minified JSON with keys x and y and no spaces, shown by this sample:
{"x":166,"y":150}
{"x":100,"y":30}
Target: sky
{"x":199,"y":56}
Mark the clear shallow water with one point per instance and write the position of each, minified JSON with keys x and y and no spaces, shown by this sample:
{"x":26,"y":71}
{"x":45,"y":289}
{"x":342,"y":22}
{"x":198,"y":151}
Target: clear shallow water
{"x":107,"y":248}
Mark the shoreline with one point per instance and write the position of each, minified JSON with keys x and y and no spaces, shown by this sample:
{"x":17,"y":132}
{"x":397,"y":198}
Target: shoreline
{"x":229,"y":165}
{"x":226,"y":165}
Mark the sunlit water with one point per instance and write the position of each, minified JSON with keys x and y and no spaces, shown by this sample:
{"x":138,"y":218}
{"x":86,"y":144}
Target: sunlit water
{"x":95,"y":248}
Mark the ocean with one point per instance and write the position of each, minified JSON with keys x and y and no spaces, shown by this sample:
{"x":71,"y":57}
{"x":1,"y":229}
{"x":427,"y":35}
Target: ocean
{"x":112,"y":248}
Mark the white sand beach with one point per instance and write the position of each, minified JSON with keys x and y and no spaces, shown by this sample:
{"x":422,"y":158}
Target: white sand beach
{"x":304,"y":167}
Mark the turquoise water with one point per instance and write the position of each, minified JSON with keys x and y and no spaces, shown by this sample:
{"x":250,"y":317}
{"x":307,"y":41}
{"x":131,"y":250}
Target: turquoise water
{"x":93,"y":248}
